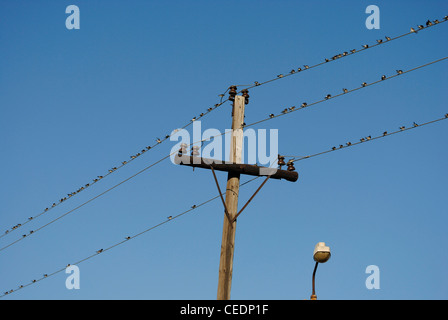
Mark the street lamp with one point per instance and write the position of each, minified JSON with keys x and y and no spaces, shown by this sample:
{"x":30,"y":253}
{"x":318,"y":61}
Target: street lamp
{"x":321,"y":254}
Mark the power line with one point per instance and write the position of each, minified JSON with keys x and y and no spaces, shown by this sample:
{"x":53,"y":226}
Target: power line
{"x":284,"y":112}
{"x":366,"y":139}
{"x":126,"y":239}
{"x":193,"y":207}
{"x":338,"y":56}
{"x":113,"y":169}
{"x":32,"y":232}
{"x":344,"y":92}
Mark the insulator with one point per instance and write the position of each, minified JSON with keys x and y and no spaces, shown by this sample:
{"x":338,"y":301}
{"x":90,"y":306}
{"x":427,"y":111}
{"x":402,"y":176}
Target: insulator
{"x":245,"y":94}
{"x":281,"y":160}
{"x":183,"y":149}
{"x":291,"y":166}
{"x":232,"y":93}
{"x":195,"y":151}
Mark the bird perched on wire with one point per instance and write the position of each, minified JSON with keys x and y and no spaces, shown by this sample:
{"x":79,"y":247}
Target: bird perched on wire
{"x":170,"y":217}
{"x":334,"y":148}
{"x":421,"y":26}
{"x":379,"y":41}
{"x":384,"y":133}
{"x":271,"y":115}
{"x":364,"y":84}
{"x":365,"y":46}
{"x":399,"y":71}
{"x":383,"y":77}
{"x":345,"y":90}
{"x":402,"y":128}
{"x":304,"y":104}
{"x":328,"y":96}
{"x":413,"y":30}
{"x":428,"y":23}
{"x":387,"y":38}
{"x":415,"y":125}
{"x":99,"y":251}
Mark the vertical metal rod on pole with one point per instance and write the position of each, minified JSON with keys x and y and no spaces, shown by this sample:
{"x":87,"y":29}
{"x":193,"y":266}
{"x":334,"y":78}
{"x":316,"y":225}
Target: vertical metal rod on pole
{"x":232,"y":190}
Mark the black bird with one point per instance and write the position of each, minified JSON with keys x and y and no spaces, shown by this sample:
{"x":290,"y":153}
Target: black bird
{"x":158,"y":140}
{"x":365,"y":46}
{"x":334,"y":148}
{"x":349,"y":143}
{"x":99,"y":251}
{"x":345,"y":90}
{"x":362,"y":139}
{"x":399,"y":71}
{"x":328,"y":96}
{"x":387,"y":38}
{"x":428,"y":23}
{"x":256,"y":83}
{"x":306,"y":66}
{"x":364,"y":84}
{"x":341,"y":146}
{"x":415,"y":125}
{"x":384,"y":133}
{"x":379,"y":41}
{"x":285,"y":111}
{"x":280,"y":76}
{"x":413,"y":30}
{"x":193,"y":206}
{"x":402,"y":128}
{"x":446,"y":115}
{"x":300,"y":69}
{"x":271,"y":115}
{"x":420,"y":26}
{"x":369,"y":137}
{"x":128,"y":238}
{"x":170,"y":217}
{"x":353,"y":50}
{"x":292,"y":71}
{"x":383,"y":77}
{"x":304,"y":104}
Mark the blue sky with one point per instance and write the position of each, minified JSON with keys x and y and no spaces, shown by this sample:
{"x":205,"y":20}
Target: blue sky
{"x":75,"y":103}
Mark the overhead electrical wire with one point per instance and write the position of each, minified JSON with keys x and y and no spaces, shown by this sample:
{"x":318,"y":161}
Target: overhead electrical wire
{"x":366,"y":139}
{"x":196,"y":206}
{"x":113,"y":169}
{"x":161,"y":140}
{"x":126,"y":239}
{"x":345,"y":91}
{"x":272,"y":116}
{"x":416,"y":30}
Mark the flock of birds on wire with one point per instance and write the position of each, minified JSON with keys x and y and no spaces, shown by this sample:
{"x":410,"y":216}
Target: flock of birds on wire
{"x":281,"y":162}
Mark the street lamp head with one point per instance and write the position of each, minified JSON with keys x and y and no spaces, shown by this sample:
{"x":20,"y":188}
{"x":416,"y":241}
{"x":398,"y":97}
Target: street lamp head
{"x":321,"y":252}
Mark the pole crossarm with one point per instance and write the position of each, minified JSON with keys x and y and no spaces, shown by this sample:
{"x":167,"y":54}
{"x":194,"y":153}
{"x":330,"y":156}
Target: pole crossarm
{"x":240,"y":168}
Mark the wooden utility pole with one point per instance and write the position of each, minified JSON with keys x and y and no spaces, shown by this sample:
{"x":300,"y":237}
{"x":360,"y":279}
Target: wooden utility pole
{"x":234,"y":169}
{"x":232,"y":190}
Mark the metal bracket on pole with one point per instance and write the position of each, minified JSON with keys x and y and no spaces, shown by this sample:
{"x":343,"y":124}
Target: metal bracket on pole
{"x":222,"y":199}
{"x":250,"y":199}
